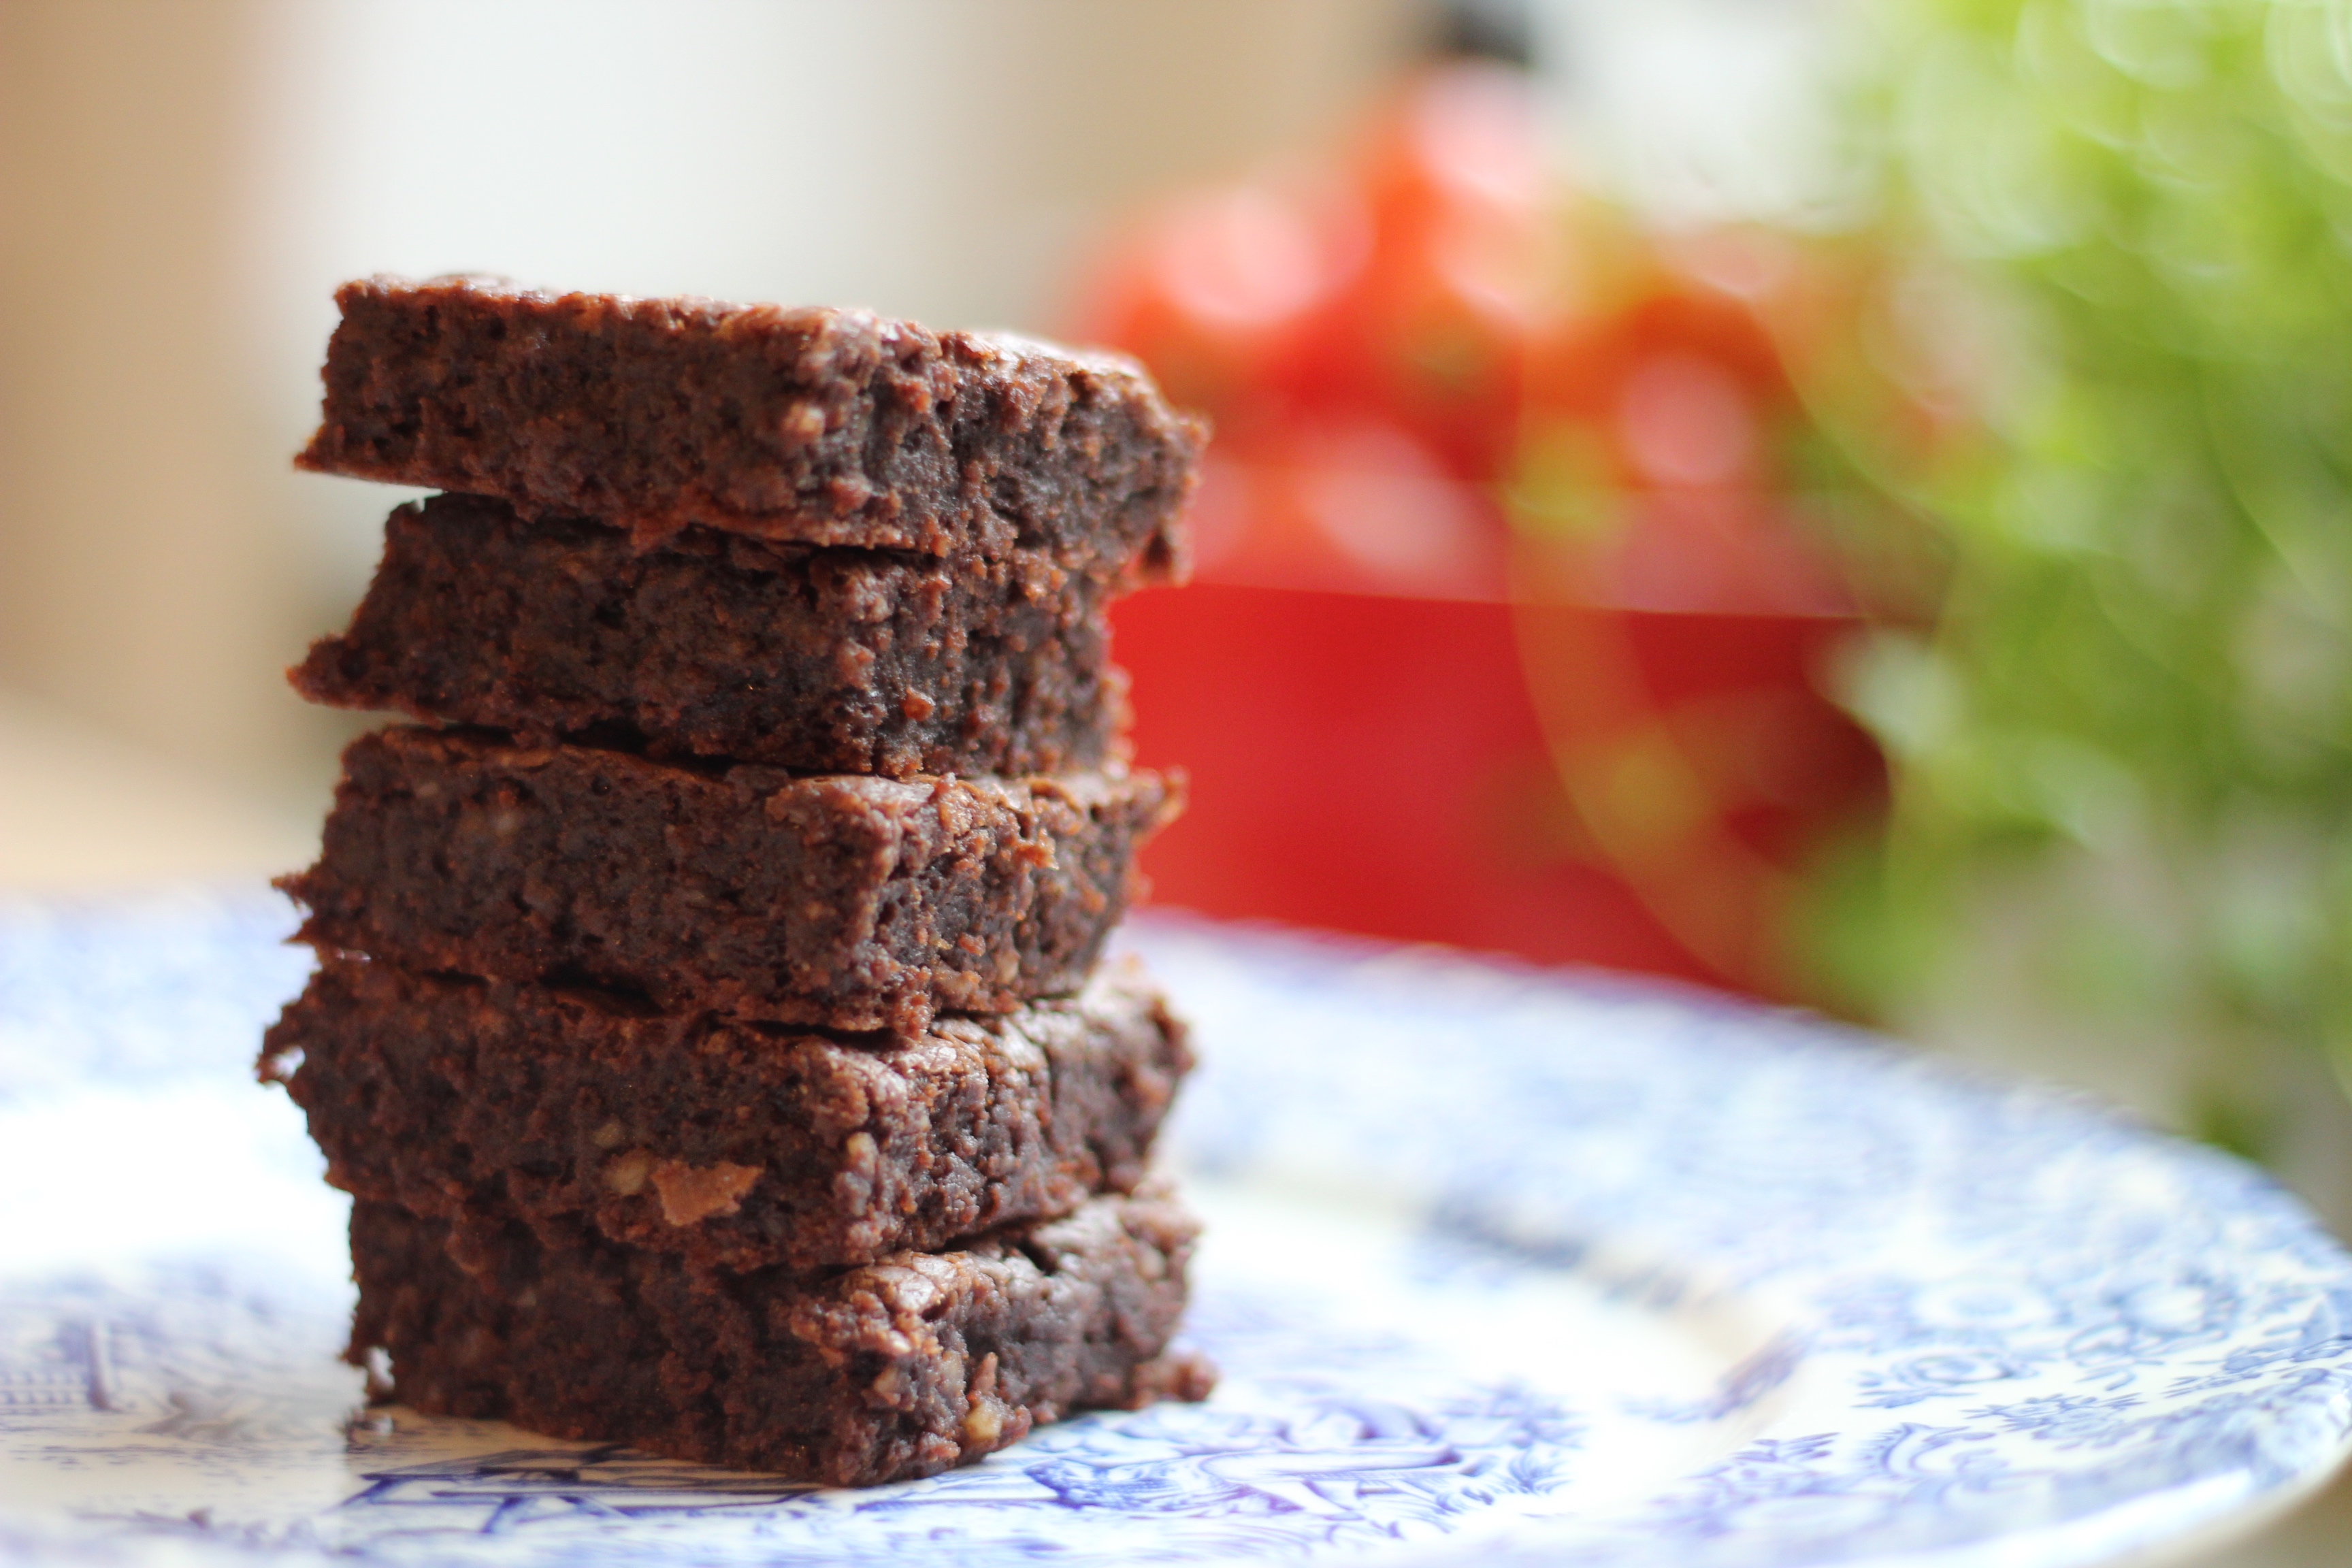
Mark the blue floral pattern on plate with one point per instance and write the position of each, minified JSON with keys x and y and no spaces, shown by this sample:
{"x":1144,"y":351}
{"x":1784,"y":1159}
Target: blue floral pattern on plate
{"x":1502,"y":1265}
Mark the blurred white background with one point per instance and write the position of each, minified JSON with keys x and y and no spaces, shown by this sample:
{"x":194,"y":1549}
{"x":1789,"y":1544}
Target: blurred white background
{"x":182,"y":186}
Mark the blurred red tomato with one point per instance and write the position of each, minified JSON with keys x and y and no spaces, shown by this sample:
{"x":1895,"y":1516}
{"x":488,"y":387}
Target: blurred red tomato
{"x":1511,"y":612}
{"x":1682,"y":383}
{"x":1346,"y":503}
{"x":1222,"y":292}
{"x":1432,"y":330}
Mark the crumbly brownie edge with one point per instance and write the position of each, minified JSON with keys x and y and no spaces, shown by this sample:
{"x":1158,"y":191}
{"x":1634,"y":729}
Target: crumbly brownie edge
{"x":898,"y":1368}
{"x":729,"y":1145}
{"x":826,"y":426}
{"x":713,"y":644}
{"x":847,"y":901}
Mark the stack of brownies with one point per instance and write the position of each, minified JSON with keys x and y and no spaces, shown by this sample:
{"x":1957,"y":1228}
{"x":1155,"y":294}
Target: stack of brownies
{"x":708,"y":1024}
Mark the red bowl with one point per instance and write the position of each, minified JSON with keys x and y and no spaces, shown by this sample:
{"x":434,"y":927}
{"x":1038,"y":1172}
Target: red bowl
{"x":1572,"y":783}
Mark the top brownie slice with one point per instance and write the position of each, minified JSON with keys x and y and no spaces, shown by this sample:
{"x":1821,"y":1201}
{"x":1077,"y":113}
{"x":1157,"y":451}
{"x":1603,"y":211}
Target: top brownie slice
{"x":825,"y":427}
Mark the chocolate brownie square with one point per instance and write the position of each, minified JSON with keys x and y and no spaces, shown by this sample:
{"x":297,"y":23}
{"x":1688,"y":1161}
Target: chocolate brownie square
{"x":732,"y":1145}
{"x":896,"y":1369}
{"x":717,"y":645}
{"x":846,"y":900}
{"x":820,"y":426}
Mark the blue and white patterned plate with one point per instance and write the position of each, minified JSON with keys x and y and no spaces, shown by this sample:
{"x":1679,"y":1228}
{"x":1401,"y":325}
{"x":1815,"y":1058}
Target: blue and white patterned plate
{"x":1502,"y":1266}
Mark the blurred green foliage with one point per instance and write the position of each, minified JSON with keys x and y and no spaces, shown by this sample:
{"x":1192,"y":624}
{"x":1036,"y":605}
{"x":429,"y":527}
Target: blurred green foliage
{"x":2143,"y":666}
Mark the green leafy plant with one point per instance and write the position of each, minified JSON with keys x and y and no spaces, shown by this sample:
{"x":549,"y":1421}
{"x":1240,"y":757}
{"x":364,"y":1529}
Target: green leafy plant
{"x":2142,"y":667}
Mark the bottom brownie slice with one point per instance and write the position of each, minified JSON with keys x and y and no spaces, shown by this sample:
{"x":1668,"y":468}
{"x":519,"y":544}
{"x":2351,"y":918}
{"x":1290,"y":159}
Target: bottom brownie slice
{"x":896,"y":1369}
